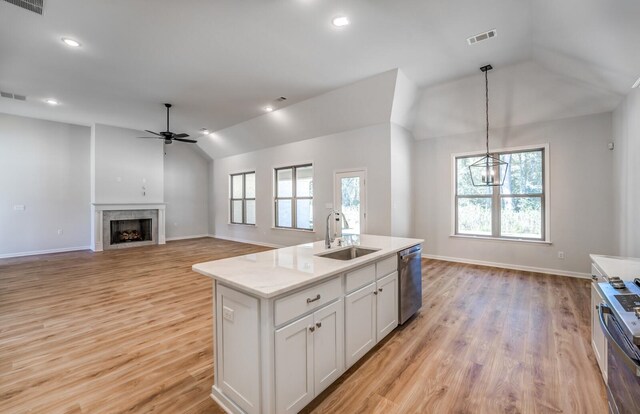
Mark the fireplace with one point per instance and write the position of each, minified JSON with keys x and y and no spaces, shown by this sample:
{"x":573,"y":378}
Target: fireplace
{"x":131,"y":231}
{"x":130,"y":228}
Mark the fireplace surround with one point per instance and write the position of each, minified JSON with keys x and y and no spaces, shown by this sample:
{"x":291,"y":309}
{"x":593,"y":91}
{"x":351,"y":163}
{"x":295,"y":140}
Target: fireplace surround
{"x":117,"y":226}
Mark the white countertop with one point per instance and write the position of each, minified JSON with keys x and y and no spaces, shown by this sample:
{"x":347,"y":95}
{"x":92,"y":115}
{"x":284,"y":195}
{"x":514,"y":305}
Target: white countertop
{"x":272,"y":273}
{"x":626,"y":268}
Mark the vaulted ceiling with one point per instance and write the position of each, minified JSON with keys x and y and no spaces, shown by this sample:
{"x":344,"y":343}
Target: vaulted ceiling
{"x":220,"y":62}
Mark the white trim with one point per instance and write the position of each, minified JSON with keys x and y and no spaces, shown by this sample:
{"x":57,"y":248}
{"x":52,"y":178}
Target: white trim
{"x":500,"y":239}
{"x":48,"y":251}
{"x":555,"y":272}
{"x":195,"y":236}
{"x":234,"y":239}
{"x":547,"y":185}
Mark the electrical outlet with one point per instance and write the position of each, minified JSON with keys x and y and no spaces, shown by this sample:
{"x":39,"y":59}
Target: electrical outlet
{"x":227,"y":313}
{"x":60,"y":231}
{"x":561,"y":255}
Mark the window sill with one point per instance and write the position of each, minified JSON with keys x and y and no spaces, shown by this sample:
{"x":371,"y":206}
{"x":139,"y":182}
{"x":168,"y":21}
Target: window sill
{"x":292,"y":229}
{"x":500,"y":239}
{"x":241,"y":224}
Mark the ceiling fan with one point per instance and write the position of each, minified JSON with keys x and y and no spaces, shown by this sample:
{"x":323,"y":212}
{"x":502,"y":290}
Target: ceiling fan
{"x":169,"y":136}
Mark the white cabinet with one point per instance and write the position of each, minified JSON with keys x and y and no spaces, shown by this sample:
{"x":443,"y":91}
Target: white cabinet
{"x":294,"y":365}
{"x":387,"y":305}
{"x":360,"y":323}
{"x":598,"y":340}
{"x":309,"y":355}
{"x":371,"y":313}
{"x":328,"y":345}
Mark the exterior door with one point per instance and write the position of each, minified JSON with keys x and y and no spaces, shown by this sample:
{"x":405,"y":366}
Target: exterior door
{"x":351,"y":200}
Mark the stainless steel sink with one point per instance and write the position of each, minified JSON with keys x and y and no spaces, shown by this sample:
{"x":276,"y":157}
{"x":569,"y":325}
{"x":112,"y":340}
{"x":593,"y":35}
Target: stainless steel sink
{"x":349,"y":253}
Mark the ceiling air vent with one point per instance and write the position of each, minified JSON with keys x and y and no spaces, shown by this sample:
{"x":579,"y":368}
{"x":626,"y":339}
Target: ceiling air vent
{"x":10,"y":95}
{"x":31,"y":5}
{"x":482,"y":36}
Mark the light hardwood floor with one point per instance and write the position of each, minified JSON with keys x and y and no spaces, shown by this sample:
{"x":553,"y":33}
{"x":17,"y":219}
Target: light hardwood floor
{"x":131,"y":331}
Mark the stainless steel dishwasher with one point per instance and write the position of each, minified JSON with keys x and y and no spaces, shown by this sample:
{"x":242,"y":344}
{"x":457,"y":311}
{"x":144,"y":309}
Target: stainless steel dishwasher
{"x":410,"y":275}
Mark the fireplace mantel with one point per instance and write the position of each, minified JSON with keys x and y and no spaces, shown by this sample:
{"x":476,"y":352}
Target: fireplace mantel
{"x":129,"y":206}
{"x":98,"y":209}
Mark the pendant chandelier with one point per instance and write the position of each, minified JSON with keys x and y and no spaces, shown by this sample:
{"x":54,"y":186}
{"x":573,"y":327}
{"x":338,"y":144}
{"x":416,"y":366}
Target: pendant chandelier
{"x":488,"y":171}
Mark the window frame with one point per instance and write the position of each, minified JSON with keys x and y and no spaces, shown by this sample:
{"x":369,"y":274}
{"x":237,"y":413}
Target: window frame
{"x":496,"y":197}
{"x":294,"y":197}
{"x":244,"y":198}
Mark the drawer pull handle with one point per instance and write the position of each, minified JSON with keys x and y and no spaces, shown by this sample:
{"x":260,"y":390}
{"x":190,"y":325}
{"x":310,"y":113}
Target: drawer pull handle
{"x":375,"y":293}
{"x":309,"y":300}
{"x":318,"y":325}
{"x":312,"y":328}
{"x":380,"y":290}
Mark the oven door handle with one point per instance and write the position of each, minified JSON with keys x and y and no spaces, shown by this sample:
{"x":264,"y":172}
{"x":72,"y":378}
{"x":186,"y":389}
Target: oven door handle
{"x":630,"y":361}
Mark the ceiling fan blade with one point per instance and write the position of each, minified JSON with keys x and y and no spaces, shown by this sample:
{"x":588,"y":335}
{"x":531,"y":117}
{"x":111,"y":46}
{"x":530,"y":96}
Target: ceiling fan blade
{"x":151,"y":137}
{"x":183,"y":135}
{"x":151,"y":132}
{"x":193,"y":141}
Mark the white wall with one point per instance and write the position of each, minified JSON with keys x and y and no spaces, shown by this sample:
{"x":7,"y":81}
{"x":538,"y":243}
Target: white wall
{"x":186,"y":191}
{"x":361,"y":148}
{"x":402,"y":199}
{"x":519,"y":94}
{"x":123,"y":164}
{"x":627,"y":174}
{"x":45,"y":167}
{"x":581,"y":194}
{"x":360,"y":104}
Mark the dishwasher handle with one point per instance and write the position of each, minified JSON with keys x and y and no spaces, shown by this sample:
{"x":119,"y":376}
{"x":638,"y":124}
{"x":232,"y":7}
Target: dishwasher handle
{"x":409,"y":256}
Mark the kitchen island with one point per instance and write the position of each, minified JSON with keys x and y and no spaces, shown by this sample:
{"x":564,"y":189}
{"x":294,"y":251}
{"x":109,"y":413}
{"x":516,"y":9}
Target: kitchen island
{"x":289,"y":322}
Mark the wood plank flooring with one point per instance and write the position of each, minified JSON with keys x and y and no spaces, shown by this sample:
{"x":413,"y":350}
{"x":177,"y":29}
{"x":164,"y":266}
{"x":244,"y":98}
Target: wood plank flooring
{"x":130,"y":331}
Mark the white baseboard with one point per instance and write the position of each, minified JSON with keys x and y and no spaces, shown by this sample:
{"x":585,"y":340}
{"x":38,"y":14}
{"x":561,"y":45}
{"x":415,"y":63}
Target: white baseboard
{"x":195,"y":236}
{"x":48,"y":251}
{"x":275,"y":246}
{"x":509,"y":266}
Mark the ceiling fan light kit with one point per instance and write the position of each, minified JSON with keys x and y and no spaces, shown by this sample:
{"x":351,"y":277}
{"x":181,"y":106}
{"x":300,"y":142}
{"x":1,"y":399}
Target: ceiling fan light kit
{"x":169,"y":136}
{"x":488,"y":171}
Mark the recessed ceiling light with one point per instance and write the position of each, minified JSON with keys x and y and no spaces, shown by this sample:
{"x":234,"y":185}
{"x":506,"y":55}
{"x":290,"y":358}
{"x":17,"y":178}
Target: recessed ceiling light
{"x":635,"y":85}
{"x":268,"y":108}
{"x":205,"y":131}
{"x":340,"y":21}
{"x":51,"y":101}
{"x":70,"y":42}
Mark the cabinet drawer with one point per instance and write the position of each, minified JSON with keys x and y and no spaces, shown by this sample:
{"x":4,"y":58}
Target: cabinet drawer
{"x":358,"y":278}
{"x":296,"y":304}
{"x":386,"y":266}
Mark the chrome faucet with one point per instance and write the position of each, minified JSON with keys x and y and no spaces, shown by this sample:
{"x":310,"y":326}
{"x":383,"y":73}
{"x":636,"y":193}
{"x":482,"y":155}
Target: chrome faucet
{"x":327,"y":238}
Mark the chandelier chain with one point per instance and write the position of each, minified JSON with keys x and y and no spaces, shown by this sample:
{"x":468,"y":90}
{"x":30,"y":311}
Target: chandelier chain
{"x":486,"y":89}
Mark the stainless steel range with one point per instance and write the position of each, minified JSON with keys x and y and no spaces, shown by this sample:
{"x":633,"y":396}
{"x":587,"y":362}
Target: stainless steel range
{"x":620,"y":322}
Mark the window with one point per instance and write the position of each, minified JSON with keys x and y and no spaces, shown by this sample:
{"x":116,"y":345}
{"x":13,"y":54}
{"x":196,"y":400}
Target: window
{"x":515,"y":210}
{"x":294,"y":197}
{"x":243,"y":198}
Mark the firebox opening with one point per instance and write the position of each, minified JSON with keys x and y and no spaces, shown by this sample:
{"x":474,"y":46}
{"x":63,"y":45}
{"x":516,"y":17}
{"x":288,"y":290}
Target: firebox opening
{"x":127,"y":231}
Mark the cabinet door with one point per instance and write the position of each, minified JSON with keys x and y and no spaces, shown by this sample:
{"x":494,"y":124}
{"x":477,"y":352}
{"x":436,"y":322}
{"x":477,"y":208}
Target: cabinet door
{"x":360,"y":322}
{"x":598,"y":340}
{"x":328,"y":345}
{"x":294,"y":365}
{"x":387,"y":308}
